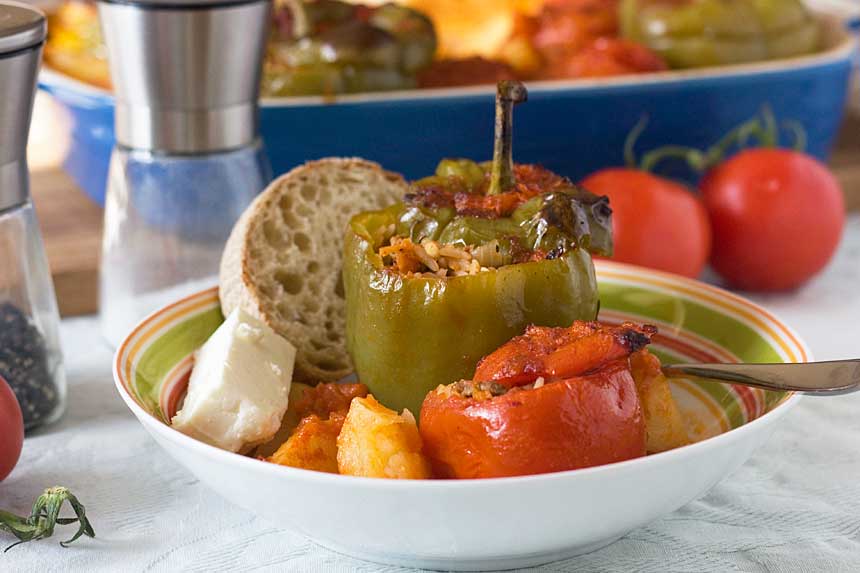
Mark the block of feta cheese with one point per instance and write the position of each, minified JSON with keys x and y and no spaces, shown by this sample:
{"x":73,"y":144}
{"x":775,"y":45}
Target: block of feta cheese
{"x":240,"y":385}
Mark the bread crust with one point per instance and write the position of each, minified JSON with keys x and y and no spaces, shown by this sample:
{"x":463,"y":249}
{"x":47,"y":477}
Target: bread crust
{"x":283,"y":258}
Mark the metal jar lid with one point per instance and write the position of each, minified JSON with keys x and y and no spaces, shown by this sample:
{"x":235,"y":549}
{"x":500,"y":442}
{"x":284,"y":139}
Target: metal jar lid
{"x":22,"y":32}
{"x":186,"y":72}
{"x":21,"y":27}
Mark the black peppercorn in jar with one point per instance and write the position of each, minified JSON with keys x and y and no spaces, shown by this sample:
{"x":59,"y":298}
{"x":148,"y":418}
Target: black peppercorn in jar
{"x":28,"y":366}
{"x":30,"y":359}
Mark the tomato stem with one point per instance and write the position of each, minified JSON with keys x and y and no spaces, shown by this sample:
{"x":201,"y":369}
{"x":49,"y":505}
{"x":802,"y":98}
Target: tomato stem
{"x":45,"y":516}
{"x":796,"y":129}
{"x":694,"y":158}
{"x":768,"y":132}
{"x":763,"y":129}
{"x":632,"y":138}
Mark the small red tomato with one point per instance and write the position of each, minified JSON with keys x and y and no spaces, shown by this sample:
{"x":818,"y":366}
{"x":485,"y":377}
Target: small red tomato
{"x":656,"y":222}
{"x":777,"y":218}
{"x":11,"y":430}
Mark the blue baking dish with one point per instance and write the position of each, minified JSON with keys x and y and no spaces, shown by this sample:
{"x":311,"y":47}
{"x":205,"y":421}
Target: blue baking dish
{"x":572,"y":127}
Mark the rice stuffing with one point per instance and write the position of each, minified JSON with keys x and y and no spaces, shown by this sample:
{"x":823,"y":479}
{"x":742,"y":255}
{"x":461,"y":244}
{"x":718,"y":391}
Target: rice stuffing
{"x":433,"y":260}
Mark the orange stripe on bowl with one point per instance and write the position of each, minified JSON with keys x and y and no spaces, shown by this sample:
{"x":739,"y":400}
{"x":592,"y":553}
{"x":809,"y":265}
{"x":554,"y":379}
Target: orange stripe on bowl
{"x":126,"y":356}
{"x":173,"y":387}
{"x":685,"y":349}
{"x":683,"y":343}
{"x":715,"y":410}
{"x":165,"y":320}
{"x":718,"y":297}
{"x":729,"y":300}
{"x":691,"y":343}
{"x":753,"y":400}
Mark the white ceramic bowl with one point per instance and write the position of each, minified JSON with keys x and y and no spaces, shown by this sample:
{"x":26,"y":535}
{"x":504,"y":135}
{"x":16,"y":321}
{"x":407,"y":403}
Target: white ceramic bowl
{"x":497,"y":523}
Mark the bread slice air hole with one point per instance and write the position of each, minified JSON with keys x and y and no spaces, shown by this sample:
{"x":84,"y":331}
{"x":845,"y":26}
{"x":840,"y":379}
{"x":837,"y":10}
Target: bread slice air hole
{"x":273,"y":235}
{"x":303,"y":242}
{"x":285,"y":203}
{"x":291,"y":282}
{"x":308,"y":192}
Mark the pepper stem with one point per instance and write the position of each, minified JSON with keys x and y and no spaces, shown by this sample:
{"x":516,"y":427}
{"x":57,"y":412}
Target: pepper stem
{"x":508,"y":94}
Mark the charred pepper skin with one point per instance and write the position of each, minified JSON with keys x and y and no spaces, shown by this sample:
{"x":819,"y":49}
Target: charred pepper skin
{"x":697,"y":33}
{"x":407,"y":335}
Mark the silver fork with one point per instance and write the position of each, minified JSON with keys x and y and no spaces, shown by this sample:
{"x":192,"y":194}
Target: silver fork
{"x":816,"y":378}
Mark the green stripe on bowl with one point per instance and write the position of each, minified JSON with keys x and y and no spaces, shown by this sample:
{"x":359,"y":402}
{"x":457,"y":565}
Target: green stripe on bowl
{"x":168,"y":349}
{"x":734,"y":335}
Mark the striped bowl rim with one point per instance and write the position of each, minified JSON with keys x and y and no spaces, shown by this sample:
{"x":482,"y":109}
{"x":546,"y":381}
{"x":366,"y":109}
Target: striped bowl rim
{"x":725,"y":407}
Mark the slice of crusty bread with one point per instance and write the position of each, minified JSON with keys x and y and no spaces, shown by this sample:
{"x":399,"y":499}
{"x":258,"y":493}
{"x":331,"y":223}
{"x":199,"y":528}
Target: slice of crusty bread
{"x":283,"y":260}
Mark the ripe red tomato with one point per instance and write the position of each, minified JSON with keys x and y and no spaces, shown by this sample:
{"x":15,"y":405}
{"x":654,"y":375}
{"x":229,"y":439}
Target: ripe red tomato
{"x":777,"y":218}
{"x":11,"y":430}
{"x":656,"y":222}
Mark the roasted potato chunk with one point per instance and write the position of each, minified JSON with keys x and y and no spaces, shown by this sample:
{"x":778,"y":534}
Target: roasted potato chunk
{"x":664,"y":427}
{"x":321,"y":400}
{"x":313,"y":446}
{"x":326,"y":399}
{"x":378,"y":442}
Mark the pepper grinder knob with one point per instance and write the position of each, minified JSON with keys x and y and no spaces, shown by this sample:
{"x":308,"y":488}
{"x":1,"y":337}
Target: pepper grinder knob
{"x":186,"y":72}
{"x":22,"y":33}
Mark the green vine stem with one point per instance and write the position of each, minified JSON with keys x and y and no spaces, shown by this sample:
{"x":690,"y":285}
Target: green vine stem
{"x":630,"y":142}
{"x":762,"y":129}
{"x":796,"y":129}
{"x":45,"y":516}
{"x":508,"y":94}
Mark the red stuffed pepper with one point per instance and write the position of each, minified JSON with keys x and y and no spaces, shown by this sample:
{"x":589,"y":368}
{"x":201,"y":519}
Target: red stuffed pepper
{"x":554,"y":399}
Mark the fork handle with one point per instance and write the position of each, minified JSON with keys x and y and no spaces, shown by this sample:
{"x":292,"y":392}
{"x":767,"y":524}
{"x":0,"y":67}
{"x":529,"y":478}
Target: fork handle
{"x":817,"y":378}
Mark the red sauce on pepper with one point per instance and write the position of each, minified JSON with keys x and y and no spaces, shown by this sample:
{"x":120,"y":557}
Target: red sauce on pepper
{"x":532,"y":180}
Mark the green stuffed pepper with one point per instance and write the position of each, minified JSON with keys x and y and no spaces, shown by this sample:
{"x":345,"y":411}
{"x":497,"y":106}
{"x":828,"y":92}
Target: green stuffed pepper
{"x":472,"y":256}
{"x":696,"y":33}
{"x":330,"y":47}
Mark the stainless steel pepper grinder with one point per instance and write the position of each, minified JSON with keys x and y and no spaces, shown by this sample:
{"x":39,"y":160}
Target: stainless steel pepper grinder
{"x":30,"y":358}
{"x":188,"y":158}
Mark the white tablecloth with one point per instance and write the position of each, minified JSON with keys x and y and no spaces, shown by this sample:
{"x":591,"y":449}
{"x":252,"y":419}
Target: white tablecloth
{"x":794,"y":507}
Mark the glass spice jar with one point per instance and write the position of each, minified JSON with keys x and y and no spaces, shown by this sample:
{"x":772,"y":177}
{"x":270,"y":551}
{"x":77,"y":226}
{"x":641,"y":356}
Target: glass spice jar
{"x":30,"y":358}
{"x":188,"y":159}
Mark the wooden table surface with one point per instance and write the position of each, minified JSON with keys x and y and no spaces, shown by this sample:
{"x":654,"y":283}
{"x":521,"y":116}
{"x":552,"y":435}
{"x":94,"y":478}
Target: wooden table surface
{"x":71,"y":223}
